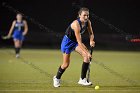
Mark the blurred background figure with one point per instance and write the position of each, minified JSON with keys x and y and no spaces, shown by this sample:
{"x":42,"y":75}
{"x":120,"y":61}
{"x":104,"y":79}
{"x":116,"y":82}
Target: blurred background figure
{"x":19,"y":28}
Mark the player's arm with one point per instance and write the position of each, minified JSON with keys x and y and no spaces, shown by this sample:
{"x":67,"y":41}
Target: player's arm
{"x":25,"y":27}
{"x":75,"y":26}
{"x":91,"y":34}
{"x":11,"y":29}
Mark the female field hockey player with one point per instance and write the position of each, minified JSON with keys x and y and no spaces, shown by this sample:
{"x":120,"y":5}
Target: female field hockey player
{"x":73,"y":41}
{"x":19,"y":28}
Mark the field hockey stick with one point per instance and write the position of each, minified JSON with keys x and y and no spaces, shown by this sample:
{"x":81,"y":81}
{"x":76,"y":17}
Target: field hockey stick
{"x":6,"y":37}
{"x":88,"y":73}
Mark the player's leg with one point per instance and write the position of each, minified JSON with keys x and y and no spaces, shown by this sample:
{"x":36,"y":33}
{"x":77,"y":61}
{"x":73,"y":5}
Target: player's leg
{"x":61,"y":69}
{"x":83,"y":80}
{"x":17,"y":44}
{"x":20,"y":45}
{"x":65,"y":64}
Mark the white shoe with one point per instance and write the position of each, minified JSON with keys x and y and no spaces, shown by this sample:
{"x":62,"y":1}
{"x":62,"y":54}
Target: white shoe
{"x":17,"y":55}
{"x":56,"y":82}
{"x":84,"y":82}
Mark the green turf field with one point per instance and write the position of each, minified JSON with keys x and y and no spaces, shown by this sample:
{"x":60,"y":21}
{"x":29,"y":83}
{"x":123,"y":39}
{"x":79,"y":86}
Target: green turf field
{"x":113,"y":71}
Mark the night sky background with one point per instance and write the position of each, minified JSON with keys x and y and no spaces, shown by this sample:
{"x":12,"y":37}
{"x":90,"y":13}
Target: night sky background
{"x":48,"y":20}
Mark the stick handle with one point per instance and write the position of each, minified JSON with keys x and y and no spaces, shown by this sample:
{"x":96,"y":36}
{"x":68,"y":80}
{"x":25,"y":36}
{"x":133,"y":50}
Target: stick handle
{"x":91,"y":50}
{"x":88,"y":75}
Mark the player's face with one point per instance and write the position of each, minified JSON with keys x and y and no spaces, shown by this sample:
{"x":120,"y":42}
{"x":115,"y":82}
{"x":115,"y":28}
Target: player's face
{"x":19,"y":17}
{"x":84,"y":16}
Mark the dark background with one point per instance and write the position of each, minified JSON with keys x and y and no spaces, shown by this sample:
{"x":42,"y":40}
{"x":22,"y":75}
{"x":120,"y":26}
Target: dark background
{"x":48,"y":20}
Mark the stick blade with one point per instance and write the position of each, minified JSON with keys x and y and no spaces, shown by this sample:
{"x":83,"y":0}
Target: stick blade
{"x":6,"y":37}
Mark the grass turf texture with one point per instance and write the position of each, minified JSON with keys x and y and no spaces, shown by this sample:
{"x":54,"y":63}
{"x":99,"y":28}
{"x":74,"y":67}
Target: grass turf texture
{"x":33,"y":72}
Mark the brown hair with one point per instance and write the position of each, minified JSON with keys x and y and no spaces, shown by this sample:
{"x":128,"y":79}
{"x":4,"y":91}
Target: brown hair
{"x":82,"y":9}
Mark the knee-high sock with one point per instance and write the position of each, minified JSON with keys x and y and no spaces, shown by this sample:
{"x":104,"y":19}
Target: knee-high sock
{"x":60,"y":72}
{"x":84,"y":70}
{"x":17,"y":50}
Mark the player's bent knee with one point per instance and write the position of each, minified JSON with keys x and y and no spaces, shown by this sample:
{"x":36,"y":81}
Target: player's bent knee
{"x":65,"y":66}
{"x":85,"y":58}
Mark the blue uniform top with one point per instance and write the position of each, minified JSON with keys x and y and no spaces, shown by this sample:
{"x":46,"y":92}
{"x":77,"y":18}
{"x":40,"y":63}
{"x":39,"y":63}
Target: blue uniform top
{"x":18,"y":30}
{"x":19,"y":26}
{"x":70,"y":32}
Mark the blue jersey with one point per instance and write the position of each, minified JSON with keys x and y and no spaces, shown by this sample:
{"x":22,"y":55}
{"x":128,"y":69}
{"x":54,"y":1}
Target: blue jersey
{"x":19,"y":26}
{"x":70,"y":33}
{"x":69,"y":42}
{"x":18,"y":30}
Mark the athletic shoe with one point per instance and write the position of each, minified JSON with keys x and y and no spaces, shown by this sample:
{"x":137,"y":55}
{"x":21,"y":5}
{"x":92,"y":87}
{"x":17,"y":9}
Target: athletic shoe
{"x":84,"y":82}
{"x":56,"y":82}
{"x":17,"y":55}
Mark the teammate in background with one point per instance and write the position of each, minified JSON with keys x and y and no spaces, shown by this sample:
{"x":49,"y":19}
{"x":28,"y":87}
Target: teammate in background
{"x":19,"y":28}
{"x":73,"y":41}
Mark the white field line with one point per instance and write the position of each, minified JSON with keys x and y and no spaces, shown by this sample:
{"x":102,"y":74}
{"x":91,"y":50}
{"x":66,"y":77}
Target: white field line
{"x":65,"y":90}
